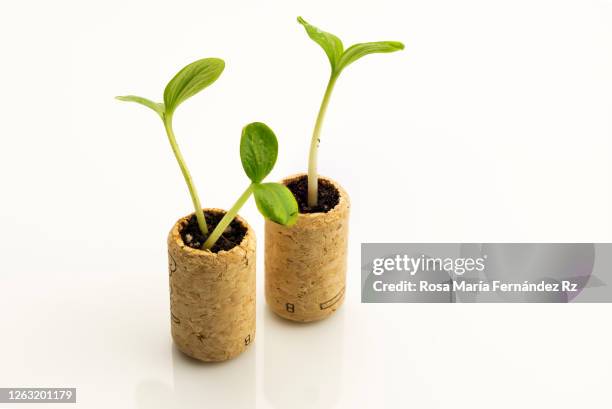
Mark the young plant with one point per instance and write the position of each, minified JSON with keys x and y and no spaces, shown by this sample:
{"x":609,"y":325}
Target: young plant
{"x":339,"y":59}
{"x":258,"y":151}
{"x":186,"y":83}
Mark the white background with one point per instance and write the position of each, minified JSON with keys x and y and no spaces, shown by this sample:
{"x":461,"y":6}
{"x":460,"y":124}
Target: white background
{"x":493,"y":125}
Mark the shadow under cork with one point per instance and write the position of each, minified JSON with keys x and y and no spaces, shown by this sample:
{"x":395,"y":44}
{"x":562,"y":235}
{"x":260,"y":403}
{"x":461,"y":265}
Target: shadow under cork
{"x":303,"y":361}
{"x":220,"y":385}
{"x":227,"y":384}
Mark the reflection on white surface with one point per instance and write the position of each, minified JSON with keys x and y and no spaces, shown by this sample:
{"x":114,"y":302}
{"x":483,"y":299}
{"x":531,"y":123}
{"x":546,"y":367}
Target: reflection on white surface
{"x":303,"y":362}
{"x":153,"y":394}
{"x":218,"y":385}
{"x":229,"y":384}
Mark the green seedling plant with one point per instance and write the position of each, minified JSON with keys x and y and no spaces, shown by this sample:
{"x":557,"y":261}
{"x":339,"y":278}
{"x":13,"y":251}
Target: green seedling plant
{"x":339,"y":59}
{"x":258,"y":151}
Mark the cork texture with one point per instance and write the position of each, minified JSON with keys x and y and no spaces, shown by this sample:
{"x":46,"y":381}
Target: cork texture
{"x":306,"y":263}
{"x":212,"y":296}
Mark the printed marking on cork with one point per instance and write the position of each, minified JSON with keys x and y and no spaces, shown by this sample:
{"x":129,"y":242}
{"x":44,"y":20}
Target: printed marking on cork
{"x":333,"y":300}
{"x":175,"y":318}
{"x":171,"y":263}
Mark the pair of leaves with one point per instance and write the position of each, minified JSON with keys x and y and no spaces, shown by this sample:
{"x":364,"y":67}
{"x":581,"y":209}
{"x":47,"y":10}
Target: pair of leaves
{"x":338,"y":57}
{"x":186,"y":83}
{"x":258,"y":153}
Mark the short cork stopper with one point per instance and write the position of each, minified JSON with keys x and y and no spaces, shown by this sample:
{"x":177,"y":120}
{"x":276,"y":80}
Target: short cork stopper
{"x":306,"y":263}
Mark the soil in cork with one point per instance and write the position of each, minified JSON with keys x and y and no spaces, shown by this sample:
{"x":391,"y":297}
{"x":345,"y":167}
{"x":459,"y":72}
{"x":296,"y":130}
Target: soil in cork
{"x":232,"y":236}
{"x":328,"y":195}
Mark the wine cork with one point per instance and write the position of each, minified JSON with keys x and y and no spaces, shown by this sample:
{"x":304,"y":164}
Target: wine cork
{"x":306,"y":263}
{"x":212,"y":296}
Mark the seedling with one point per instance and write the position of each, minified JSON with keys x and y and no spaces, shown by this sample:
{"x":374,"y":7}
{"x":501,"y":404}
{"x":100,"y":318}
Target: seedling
{"x":339,"y":59}
{"x":258,"y":151}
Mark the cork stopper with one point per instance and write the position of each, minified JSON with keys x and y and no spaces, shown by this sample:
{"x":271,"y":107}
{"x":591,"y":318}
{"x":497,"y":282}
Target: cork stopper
{"x":306,"y":263}
{"x":212,"y":296}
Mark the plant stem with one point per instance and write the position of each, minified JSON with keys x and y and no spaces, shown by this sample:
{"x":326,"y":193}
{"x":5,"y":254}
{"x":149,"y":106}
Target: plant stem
{"x":192,"y":190}
{"x":313,"y":176}
{"x":227,"y":219}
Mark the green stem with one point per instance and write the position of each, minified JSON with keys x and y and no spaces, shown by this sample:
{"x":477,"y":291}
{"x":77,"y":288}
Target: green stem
{"x":313,"y":176}
{"x":192,"y":190}
{"x":227,"y":219}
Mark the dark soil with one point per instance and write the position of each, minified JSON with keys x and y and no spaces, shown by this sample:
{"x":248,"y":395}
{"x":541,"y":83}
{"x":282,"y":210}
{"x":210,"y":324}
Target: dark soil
{"x":328,"y":195}
{"x":231,"y":237}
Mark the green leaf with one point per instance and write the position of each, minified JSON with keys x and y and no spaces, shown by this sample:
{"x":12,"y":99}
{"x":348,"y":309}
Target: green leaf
{"x":355,"y":52}
{"x":155,"y":106}
{"x":276,"y":202}
{"x":258,"y":150}
{"x":191,"y":80}
{"x":330,"y":43}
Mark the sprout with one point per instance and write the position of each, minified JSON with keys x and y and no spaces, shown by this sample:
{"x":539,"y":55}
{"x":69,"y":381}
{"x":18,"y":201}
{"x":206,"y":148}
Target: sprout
{"x":258,"y":152}
{"x":339,"y":59}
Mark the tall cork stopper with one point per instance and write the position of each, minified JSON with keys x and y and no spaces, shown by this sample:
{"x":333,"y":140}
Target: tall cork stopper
{"x":212,"y":296}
